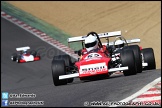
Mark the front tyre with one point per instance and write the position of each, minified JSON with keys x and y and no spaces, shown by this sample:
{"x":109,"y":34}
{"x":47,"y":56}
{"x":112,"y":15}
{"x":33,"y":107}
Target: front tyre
{"x":68,"y":63}
{"x":58,"y":68}
{"x":18,"y":59}
{"x":13,"y":57}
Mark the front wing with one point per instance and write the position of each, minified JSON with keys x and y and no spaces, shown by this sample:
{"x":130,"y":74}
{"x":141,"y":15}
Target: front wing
{"x":77,"y":74}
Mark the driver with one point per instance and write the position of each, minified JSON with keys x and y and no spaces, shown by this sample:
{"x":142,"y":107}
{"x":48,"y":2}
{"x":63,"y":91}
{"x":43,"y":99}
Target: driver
{"x":91,"y":43}
{"x":24,"y":51}
{"x":119,"y":44}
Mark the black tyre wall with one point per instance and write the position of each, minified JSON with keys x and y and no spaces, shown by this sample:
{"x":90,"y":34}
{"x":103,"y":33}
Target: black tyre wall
{"x":18,"y":58}
{"x":14,"y":55}
{"x":68,"y":62}
{"x":58,"y":68}
{"x":33,"y":52}
{"x":137,"y":55}
{"x":149,"y":58}
{"x":127,"y":59}
{"x":66,"y":58}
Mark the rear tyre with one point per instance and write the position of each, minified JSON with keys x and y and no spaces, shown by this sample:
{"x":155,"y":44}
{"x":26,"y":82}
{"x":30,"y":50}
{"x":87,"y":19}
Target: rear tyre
{"x":148,"y":55}
{"x":38,"y":55}
{"x":33,"y":52}
{"x":13,"y":57}
{"x":137,"y":55}
{"x":58,"y":68}
{"x":127,"y":59}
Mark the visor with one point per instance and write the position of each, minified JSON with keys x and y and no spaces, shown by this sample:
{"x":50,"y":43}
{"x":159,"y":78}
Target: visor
{"x":88,"y":45}
{"x":119,"y":46}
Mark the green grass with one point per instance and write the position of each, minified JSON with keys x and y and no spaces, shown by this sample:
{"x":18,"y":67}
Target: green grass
{"x":39,"y":24}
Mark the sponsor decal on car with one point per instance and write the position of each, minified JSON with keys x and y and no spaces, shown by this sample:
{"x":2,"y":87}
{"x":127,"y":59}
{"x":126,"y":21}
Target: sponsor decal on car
{"x":93,"y":68}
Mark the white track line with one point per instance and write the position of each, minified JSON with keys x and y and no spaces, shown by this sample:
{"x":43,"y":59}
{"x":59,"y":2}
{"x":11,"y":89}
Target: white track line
{"x":144,"y":89}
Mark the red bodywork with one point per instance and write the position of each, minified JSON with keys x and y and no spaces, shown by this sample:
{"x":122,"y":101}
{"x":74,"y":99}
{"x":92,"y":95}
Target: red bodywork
{"x":93,"y":63}
{"x":140,"y":47}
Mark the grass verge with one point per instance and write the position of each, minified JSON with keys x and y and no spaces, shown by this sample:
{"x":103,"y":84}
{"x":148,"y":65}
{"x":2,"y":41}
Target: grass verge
{"x":39,"y":24}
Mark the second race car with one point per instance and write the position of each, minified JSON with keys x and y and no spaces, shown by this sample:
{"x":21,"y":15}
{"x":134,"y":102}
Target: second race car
{"x":25,"y":56}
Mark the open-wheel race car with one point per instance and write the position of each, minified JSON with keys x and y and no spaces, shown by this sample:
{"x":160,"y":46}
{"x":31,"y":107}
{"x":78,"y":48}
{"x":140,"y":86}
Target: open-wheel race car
{"x":24,"y":55}
{"x":144,"y":57}
{"x":99,"y":60}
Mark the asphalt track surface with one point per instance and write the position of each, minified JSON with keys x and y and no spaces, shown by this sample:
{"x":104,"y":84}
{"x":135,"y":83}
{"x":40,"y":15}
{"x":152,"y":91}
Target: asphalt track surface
{"x":36,"y":77}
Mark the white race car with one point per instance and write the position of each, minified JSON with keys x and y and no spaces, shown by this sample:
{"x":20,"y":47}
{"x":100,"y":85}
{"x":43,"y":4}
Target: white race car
{"x":24,"y":55}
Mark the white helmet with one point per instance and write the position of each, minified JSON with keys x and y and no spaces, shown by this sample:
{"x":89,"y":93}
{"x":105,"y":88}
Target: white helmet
{"x":91,"y":42}
{"x":25,"y":51}
{"x":119,"y":44}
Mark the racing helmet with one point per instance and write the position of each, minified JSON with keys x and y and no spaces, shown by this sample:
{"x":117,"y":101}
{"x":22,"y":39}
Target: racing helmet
{"x":91,"y":42}
{"x":119,"y":44}
{"x":25,"y":51}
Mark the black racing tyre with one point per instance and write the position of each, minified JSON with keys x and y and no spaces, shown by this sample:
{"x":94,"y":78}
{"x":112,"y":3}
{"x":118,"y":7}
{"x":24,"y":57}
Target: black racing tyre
{"x":13,"y":57}
{"x":148,"y":55}
{"x":58,"y":68}
{"x":33,"y":52}
{"x":68,"y":62}
{"x":18,"y":59}
{"x":137,"y":55}
{"x":37,"y":54}
{"x":66,"y":58}
{"x":127,"y":59}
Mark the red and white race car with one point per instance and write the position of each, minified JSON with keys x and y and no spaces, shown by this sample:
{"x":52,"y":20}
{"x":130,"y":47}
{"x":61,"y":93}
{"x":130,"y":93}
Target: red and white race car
{"x":24,"y":55}
{"x":99,"y":64}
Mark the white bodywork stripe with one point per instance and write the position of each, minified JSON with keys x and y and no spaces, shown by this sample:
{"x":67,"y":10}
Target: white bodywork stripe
{"x":29,"y":58}
{"x":118,"y":69}
{"x":69,"y":76}
{"x":144,"y":64}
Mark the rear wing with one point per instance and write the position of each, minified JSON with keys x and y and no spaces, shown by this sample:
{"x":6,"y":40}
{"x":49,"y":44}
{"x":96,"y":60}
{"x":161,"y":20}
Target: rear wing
{"x":22,"y":48}
{"x":137,"y":40}
{"x":101,"y":35}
